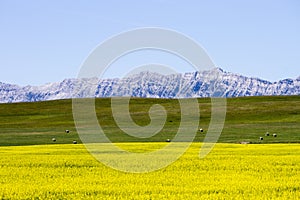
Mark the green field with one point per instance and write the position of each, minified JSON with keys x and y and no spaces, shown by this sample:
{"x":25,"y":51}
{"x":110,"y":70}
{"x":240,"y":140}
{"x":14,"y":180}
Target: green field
{"x":247,"y":119}
{"x":32,"y":166}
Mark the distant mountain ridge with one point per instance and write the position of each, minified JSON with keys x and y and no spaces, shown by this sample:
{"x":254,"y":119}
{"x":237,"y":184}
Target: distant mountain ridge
{"x":210,"y":83}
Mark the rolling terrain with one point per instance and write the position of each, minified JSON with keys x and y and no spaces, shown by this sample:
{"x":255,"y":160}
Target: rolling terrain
{"x":32,"y":166}
{"x":247,"y":119}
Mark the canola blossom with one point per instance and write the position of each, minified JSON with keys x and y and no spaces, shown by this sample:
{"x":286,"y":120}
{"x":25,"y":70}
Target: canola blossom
{"x":230,"y":171}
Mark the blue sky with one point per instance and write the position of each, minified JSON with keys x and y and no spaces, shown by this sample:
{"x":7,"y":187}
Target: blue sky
{"x":47,"y":41}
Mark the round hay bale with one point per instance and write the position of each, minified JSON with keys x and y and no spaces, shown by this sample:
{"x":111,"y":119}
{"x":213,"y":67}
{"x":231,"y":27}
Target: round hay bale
{"x":74,"y":142}
{"x":267,"y":134}
{"x":201,"y":130}
{"x":261,"y":138}
{"x":67,"y":131}
{"x":274,"y":135}
{"x":53,"y":139}
{"x":168,"y":140}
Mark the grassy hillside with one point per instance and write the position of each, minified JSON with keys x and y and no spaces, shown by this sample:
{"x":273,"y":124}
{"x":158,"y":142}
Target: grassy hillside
{"x":247,"y":119}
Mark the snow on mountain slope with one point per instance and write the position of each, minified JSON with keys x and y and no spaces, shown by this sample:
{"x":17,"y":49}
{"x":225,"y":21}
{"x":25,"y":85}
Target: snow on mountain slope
{"x":211,"y":83}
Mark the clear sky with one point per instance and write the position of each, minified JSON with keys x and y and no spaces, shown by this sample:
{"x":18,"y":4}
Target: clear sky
{"x":47,"y":41}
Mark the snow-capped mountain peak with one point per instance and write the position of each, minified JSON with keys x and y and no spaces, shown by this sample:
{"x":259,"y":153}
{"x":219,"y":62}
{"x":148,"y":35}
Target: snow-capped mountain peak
{"x":215,"y":82}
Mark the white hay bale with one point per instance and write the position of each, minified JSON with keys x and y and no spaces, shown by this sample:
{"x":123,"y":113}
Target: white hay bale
{"x":267,"y":134}
{"x":261,"y":138}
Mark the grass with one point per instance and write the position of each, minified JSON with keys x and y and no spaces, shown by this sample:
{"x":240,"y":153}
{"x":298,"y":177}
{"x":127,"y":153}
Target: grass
{"x":247,"y":119}
{"x":230,"y":171}
{"x":34,"y":167}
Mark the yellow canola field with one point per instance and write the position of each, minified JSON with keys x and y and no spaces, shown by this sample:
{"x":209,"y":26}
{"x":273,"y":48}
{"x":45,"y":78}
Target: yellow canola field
{"x":230,"y":171}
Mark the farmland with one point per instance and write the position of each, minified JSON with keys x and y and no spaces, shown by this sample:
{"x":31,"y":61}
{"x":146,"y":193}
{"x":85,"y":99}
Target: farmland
{"x":32,"y":166}
{"x":247,"y":119}
{"x":231,"y":171}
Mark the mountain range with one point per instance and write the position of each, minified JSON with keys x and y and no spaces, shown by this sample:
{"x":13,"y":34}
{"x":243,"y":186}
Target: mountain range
{"x":210,"y":83}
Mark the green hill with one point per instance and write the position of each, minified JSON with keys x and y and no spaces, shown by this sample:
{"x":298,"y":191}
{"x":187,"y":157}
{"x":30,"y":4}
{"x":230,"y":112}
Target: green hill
{"x":247,"y":119}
